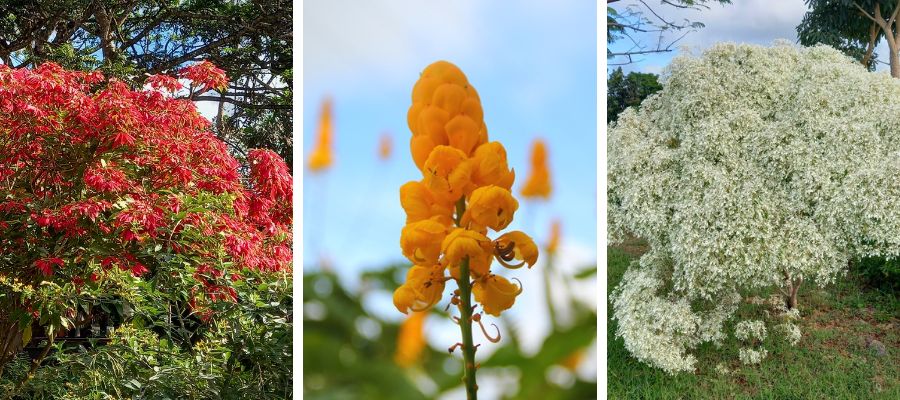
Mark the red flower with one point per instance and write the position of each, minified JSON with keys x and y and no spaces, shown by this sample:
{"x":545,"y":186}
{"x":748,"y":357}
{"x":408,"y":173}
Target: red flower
{"x":206,"y":74}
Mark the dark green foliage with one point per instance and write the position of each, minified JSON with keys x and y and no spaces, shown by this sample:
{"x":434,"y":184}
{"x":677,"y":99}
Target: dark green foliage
{"x":880,"y":272}
{"x":243,"y":351}
{"x":838,"y":23}
{"x":625,"y":91}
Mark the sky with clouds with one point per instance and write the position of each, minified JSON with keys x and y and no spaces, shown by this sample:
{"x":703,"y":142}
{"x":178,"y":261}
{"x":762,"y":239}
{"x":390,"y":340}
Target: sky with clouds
{"x":744,"y":21}
{"x":534,"y":65}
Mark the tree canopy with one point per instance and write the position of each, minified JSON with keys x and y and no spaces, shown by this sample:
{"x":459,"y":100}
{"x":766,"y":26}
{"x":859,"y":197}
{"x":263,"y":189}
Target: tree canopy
{"x":753,"y":168}
{"x":855,"y":27}
{"x":132,"y":39}
{"x":623,"y":91}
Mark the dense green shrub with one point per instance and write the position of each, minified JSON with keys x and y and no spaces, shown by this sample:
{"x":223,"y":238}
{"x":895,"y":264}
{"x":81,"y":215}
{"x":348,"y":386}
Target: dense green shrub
{"x":880,"y":272}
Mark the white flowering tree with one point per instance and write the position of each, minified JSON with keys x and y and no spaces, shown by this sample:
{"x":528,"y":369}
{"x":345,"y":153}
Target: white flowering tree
{"x":754,"y":167}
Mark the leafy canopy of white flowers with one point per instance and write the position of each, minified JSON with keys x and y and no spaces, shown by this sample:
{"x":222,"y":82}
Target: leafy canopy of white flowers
{"x":753,"y":167}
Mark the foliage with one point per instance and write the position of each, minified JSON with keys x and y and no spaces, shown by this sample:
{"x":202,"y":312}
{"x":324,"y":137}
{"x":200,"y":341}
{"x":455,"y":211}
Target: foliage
{"x":840,"y":25}
{"x":106,"y":193}
{"x":250,"y":40}
{"x":855,"y":27}
{"x":623,"y":91}
{"x":243,"y":352}
{"x":831,"y":361}
{"x":753,"y":168}
{"x":881,"y":272}
{"x":349,"y":348}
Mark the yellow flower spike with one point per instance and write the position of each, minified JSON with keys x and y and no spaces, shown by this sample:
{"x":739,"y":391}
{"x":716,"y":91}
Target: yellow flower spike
{"x":321,"y":156}
{"x":495,"y":293}
{"x":489,"y":166}
{"x":538,"y":182}
{"x":516,"y":245}
{"x":553,"y":243}
{"x":445,"y":110}
{"x":419,"y":203}
{"x":461,"y":243}
{"x":410,"y":340}
{"x":492,"y":207}
{"x":421,"y":240}
{"x":446,"y":174}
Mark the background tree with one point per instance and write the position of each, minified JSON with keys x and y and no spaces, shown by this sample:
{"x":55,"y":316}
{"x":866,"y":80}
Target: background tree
{"x":131,"y":39}
{"x":625,"y":91}
{"x":855,"y":27}
{"x":636,"y":20}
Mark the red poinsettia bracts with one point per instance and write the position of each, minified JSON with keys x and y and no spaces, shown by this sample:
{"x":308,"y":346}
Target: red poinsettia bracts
{"x":95,"y":176}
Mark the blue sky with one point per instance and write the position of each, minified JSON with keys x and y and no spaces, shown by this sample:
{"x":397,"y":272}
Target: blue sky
{"x":534,"y":66}
{"x":744,"y":21}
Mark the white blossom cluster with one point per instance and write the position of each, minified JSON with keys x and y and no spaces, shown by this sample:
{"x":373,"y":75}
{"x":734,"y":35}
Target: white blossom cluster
{"x":791,"y":332}
{"x":750,"y":330}
{"x":657,"y":328}
{"x":753,"y":167}
{"x":752,"y":356}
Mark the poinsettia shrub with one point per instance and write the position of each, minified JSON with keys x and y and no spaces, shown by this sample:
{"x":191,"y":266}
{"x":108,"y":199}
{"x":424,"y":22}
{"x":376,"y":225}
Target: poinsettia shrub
{"x":109,"y":192}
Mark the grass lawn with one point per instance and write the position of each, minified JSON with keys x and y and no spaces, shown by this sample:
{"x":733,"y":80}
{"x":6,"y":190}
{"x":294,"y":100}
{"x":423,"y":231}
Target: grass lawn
{"x":832,"y":360}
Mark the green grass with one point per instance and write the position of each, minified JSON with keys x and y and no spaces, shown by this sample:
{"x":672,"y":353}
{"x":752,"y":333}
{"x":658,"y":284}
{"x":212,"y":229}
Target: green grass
{"x":830,"y":362}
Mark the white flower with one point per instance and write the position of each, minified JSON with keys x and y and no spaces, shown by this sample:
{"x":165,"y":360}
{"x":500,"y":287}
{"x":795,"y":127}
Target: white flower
{"x":754,"y":166}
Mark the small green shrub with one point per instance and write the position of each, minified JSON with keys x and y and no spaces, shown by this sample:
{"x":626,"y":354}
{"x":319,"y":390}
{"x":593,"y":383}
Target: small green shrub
{"x":880,"y":272}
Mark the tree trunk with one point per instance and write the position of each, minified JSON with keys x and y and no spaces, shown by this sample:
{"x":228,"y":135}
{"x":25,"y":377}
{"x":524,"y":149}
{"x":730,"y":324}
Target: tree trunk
{"x":895,"y":61}
{"x":791,"y":300}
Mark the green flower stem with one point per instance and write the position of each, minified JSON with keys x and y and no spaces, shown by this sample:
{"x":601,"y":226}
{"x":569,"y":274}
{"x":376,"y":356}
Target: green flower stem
{"x":465,"y":318}
{"x":465,"y":323}
{"x":547,"y":275}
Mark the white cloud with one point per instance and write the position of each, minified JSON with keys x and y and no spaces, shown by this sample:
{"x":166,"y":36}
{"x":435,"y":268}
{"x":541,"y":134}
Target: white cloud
{"x":746,"y":21}
{"x":386,"y":37}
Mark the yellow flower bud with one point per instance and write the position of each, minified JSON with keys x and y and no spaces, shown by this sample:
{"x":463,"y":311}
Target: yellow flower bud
{"x":492,"y":207}
{"x":489,"y":166}
{"x":445,"y":110}
{"x":421,"y":240}
{"x":446,"y":174}
{"x":423,"y":288}
{"x":538,"y":182}
{"x":419,"y":203}
{"x":553,"y":243}
{"x":462,"y":243}
{"x":321,"y":156}
{"x":495,"y":293}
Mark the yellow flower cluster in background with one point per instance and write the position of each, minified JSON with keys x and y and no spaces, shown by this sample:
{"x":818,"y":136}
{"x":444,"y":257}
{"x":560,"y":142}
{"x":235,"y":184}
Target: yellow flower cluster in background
{"x":553,"y":242}
{"x":461,"y":170}
{"x":538,"y":182}
{"x":384,"y":146}
{"x":321,"y":156}
{"x":410,"y":340}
